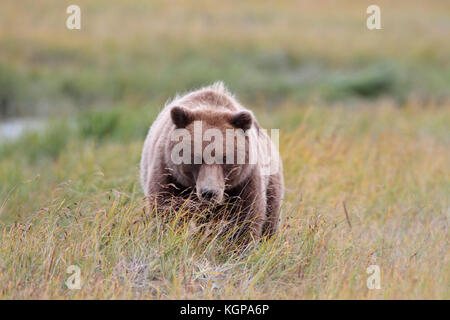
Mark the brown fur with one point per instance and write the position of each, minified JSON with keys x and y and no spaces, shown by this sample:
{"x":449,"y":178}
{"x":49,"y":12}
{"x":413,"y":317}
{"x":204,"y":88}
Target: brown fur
{"x":252,"y":199}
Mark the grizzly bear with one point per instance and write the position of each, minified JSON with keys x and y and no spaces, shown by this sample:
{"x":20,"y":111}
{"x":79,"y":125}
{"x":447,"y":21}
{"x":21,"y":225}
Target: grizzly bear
{"x":184,"y":156}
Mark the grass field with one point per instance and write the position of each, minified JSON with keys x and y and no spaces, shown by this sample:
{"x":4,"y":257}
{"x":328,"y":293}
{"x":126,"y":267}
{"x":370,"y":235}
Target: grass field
{"x":364,"y":122}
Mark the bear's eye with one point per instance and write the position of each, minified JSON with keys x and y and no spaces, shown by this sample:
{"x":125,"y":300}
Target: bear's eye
{"x":190,"y":170}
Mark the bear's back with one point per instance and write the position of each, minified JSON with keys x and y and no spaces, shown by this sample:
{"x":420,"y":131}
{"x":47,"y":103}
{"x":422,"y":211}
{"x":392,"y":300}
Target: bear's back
{"x":215,"y":97}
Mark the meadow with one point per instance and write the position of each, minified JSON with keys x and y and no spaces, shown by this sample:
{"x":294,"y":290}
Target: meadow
{"x":364,"y":121}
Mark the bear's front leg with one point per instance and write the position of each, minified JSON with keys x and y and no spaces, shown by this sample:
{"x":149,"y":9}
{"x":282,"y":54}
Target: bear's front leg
{"x":256,"y":216}
{"x":160,"y":191}
{"x":252,"y":213}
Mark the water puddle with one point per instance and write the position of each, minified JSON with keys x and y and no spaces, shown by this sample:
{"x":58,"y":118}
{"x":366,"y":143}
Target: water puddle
{"x":13,"y":128}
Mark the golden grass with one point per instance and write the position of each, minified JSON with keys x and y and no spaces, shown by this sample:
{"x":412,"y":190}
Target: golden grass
{"x":389,"y":166}
{"x":327,"y":29}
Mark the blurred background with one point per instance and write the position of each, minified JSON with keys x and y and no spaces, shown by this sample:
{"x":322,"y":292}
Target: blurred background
{"x":131,"y":54}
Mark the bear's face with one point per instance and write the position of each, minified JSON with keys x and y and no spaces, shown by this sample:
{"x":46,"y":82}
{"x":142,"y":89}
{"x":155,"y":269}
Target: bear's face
{"x":210,"y":150}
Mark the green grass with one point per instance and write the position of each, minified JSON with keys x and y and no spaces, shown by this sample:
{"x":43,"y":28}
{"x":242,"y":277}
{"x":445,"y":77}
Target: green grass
{"x":82,"y":205}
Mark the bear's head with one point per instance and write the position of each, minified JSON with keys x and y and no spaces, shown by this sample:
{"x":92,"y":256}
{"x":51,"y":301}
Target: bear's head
{"x":210,"y":150}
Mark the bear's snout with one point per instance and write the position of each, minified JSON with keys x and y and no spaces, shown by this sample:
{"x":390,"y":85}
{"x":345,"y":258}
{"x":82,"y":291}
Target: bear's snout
{"x":210,"y":183}
{"x":208,"y":194}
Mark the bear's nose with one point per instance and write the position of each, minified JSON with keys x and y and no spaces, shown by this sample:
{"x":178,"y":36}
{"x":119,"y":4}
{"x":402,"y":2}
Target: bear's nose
{"x":208,"y":194}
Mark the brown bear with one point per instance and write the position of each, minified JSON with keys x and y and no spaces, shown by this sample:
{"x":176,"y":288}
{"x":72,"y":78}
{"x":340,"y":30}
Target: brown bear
{"x":184,"y":156}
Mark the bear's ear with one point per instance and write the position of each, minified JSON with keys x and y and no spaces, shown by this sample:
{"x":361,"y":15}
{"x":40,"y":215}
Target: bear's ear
{"x":181,"y":117}
{"x":242,"y":120}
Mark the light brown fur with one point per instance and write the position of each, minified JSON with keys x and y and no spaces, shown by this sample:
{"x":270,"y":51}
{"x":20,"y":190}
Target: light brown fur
{"x":255,"y":198}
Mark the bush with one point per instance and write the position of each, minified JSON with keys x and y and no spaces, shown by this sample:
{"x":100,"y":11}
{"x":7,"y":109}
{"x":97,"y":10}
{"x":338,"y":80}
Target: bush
{"x":120,"y":124}
{"x":367,"y":83}
{"x":11,"y":89}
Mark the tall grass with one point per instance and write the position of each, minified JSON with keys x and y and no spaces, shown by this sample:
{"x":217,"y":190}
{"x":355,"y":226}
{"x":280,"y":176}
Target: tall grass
{"x":83,"y":206}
